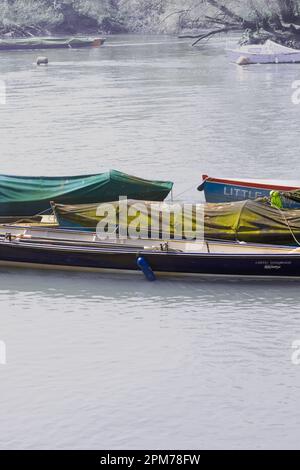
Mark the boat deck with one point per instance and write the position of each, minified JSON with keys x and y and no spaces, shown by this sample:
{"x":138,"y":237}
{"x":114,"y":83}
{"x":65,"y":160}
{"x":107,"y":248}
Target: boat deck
{"x":56,"y":237}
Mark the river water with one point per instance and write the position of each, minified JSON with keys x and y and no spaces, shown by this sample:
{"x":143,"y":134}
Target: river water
{"x":97,"y":361}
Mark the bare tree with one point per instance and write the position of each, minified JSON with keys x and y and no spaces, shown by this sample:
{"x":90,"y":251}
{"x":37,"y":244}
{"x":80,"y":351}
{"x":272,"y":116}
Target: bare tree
{"x":259,"y":19}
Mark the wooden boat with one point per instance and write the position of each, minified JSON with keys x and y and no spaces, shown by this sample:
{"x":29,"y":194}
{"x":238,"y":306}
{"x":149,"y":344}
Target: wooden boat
{"x":247,"y":221}
{"x":75,"y":237}
{"x":29,"y":196}
{"x":74,"y":251}
{"x":268,"y":53}
{"x":217,"y":190}
{"x":49,"y":43}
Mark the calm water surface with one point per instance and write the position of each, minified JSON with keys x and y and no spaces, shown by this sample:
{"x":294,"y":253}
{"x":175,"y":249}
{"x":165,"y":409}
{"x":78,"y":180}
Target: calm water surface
{"x":114,"y":362}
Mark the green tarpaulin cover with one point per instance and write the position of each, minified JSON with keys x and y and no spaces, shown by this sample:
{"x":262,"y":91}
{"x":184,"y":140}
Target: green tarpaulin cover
{"x":154,"y":217}
{"x":247,"y":221}
{"x":252,"y":221}
{"x":28,"y":196}
{"x":45,"y":43}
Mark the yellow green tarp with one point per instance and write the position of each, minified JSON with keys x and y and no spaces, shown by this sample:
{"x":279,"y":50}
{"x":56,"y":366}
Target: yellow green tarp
{"x":247,"y":221}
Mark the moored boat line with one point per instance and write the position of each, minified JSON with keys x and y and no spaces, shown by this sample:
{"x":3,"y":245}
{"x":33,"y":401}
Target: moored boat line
{"x":244,"y":238}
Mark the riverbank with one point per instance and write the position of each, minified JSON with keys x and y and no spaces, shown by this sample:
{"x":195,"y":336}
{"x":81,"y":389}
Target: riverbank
{"x":23,"y":18}
{"x":40,"y":19}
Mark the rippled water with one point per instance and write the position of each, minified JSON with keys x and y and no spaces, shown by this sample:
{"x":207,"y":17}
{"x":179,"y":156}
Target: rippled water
{"x":99,"y":361}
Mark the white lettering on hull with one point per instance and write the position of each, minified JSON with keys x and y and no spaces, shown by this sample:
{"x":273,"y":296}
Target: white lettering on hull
{"x":238,"y":193}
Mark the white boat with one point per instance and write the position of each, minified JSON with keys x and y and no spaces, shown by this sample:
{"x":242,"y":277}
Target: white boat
{"x":268,"y":53}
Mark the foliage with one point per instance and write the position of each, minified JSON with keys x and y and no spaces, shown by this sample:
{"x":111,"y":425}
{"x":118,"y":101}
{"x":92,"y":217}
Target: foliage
{"x":28,"y":12}
{"x":155,"y":15}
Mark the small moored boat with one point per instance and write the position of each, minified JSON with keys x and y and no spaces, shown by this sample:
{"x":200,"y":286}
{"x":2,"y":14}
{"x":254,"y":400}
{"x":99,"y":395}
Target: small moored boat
{"x":218,"y":190}
{"x":211,"y":258}
{"x":49,"y":43}
{"x":244,"y":221}
{"x":268,"y":53}
{"x":22,"y":196}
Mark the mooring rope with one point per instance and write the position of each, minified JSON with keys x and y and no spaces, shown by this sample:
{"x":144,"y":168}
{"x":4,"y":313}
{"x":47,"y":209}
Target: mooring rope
{"x":31,"y":218}
{"x":288,"y":225}
{"x":184,"y":192}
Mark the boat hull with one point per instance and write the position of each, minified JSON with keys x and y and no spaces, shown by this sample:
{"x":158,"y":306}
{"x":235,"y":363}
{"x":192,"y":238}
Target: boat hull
{"x":49,"y":43}
{"x":168,"y":263}
{"x":252,"y":58}
{"x":217,"y":190}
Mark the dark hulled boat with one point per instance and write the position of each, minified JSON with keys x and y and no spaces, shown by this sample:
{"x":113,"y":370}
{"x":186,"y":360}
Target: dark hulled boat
{"x":174,"y":258}
{"x":19,"y":44}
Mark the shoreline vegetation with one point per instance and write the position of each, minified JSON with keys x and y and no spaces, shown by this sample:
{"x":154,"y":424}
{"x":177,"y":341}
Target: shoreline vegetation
{"x":255,"y":20}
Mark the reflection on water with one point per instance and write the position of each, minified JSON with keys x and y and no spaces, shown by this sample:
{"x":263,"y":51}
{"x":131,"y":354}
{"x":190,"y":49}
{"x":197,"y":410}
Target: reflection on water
{"x":99,"y":361}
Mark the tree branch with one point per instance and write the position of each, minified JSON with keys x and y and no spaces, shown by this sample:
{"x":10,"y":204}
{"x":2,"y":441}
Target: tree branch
{"x":213,"y":33}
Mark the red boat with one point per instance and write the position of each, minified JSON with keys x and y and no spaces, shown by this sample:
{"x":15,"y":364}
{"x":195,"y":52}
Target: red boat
{"x":229,"y":190}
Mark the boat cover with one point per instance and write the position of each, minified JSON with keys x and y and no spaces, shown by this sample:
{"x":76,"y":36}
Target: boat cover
{"x":248,"y":221}
{"x":152,"y":218}
{"x":252,"y":221}
{"x":274,"y":48}
{"x":29,"y":196}
{"x":269,"y":47}
{"x":44,"y":43}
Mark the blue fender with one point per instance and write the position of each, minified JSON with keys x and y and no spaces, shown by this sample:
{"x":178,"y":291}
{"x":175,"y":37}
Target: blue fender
{"x":146,"y":269}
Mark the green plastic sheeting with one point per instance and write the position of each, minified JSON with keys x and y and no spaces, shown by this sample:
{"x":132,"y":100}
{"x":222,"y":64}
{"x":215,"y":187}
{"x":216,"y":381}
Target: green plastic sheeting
{"x":252,"y":221}
{"x":29,"y":196}
{"x":246,"y":221}
{"x":47,"y":43}
{"x":156,"y":218}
